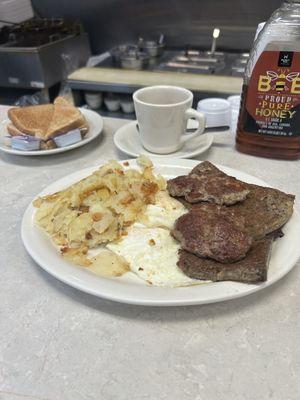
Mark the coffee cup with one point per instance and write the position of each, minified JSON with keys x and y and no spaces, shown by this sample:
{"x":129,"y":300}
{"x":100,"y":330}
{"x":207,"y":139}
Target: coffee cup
{"x":162,"y":113}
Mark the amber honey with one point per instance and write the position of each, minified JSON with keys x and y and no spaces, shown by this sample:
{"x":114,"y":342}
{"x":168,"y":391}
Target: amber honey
{"x":269,"y":118}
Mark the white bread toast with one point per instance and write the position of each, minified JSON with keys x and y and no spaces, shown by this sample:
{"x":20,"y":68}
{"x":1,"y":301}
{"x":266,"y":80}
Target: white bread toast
{"x":64,"y":119}
{"x":64,"y":102}
{"x":46,"y":121}
{"x":32,"y":120}
{"x":61,"y":101}
{"x":13,"y":131}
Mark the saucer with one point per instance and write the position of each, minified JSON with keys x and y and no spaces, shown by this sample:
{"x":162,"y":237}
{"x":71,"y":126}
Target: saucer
{"x":128,"y":141}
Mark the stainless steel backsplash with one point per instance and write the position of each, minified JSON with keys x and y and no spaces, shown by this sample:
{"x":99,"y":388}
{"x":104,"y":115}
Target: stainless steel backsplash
{"x":111,"y":22}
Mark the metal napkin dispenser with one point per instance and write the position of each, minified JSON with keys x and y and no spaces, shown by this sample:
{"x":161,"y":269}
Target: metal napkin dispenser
{"x":40,"y":53}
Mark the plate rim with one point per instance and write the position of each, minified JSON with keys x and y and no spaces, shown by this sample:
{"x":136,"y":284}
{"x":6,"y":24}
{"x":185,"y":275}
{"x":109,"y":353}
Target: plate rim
{"x":58,"y":150}
{"x":29,"y":213}
{"x":122,"y":130}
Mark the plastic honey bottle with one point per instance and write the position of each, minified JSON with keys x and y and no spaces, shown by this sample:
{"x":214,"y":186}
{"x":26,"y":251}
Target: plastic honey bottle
{"x":269,"y":118}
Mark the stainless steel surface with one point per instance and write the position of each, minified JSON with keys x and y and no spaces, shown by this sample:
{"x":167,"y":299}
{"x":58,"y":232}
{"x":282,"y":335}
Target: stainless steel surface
{"x":33,"y":54}
{"x":187,"y":67}
{"x":188,"y":60}
{"x":153,"y":47}
{"x":79,"y":85}
{"x":201,"y":63}
{"x":197,"y":59}
{"x":182,"y":21}
{"x":44,"y":66}
{"x":134,"y":59}
{"x":154,"y":50}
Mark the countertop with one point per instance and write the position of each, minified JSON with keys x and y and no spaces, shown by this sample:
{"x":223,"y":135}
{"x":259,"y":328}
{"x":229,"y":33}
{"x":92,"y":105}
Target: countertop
{"x":58,"y":343}
{"x":126,"y":79}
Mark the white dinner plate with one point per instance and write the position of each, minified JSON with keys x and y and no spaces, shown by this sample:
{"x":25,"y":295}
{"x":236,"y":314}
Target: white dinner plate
{"x":94,"y":120}
{"x":129,"y":288}
{"x":127,"y":139}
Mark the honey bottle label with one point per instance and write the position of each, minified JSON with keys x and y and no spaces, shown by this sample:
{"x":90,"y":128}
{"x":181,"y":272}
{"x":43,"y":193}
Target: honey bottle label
{"x":272,"y":105}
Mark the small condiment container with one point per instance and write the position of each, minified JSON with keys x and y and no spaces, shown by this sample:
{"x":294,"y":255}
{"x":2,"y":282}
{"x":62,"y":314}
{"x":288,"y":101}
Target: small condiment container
{"x":25,"y":143}
{"x":93,"y":99}
{"x":7,"y":140}
{"x":112,"y":102}
{"x":216,"y":110}
{"x":235,"y":107}
{"x":67,"y":139}
{"x":234,"y":101}
{"x":127,"y":104}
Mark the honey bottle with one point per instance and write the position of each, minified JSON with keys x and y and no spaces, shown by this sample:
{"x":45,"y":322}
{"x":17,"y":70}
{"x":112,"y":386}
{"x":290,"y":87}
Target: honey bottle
{"x":269,"y":117}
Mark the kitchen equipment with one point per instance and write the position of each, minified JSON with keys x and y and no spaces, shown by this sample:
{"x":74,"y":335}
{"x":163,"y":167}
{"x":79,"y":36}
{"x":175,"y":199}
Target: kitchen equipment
{"x":191,"y":61}
{"x":134,"y":59}
{"x":187,"y":67}
{"x":216,"y":34}
{"x":151,"y":46}
{"x":117,"y":51}
{"x":31,"y":53}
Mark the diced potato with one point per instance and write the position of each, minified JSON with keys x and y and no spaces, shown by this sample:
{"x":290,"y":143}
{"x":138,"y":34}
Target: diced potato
{"x":108,"y":264}
{"x":79,"y":227}
{"x":98,"y":208}
{"x":76,"y":255}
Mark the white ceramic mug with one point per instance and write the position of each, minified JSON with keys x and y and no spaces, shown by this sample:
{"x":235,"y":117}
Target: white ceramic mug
{"x":162,"y":113}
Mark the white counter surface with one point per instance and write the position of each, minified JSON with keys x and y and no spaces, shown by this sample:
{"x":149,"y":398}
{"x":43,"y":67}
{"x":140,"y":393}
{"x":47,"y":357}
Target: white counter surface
{"x":192,"y":81}
{"x":60,"y":344}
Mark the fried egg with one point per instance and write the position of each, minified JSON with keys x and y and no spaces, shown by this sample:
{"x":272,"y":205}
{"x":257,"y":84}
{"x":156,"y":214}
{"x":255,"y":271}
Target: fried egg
{"x":152,"y":254}
{"x":163,"y":213}
{"x":150,"y":249}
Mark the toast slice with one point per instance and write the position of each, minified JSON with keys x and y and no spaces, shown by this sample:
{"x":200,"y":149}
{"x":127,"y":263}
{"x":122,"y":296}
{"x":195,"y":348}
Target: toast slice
{"x":32,"y":120}
{"x":65,"y":118}
{"x":13,"y":131}
{"x":46,"y":121}
{"x":61,"y":101}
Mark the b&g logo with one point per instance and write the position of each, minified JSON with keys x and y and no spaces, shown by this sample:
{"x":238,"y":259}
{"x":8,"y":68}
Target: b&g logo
{"x":279,"y":82}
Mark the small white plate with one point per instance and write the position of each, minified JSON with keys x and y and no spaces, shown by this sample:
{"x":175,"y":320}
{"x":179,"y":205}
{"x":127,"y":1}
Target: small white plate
{"x":94,"y":120}
{"x":127,"y":139}
{"x":129,"y":288}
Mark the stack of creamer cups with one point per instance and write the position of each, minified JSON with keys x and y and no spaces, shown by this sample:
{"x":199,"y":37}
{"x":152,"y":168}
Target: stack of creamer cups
{"x":221,"y":113}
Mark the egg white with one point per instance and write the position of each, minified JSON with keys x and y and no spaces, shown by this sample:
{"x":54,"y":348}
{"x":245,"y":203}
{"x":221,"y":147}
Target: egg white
{"x":163,"y":213}
{"x":149,"y":247}
{"x":152,"y":254}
